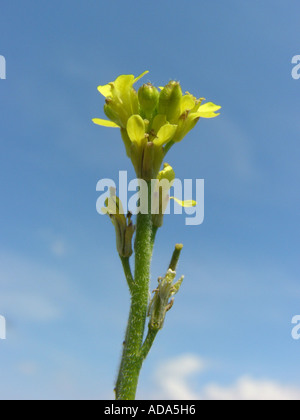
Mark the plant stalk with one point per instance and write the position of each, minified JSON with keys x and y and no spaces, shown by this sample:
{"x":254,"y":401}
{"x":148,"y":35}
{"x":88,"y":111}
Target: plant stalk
{"x":133,"y":356}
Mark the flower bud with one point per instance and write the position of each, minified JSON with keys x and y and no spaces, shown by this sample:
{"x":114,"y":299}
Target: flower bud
{"x":167,"y":173}
{"x":148,"y":98}
{"x":111,"y":114}
{"x":161,"y":194}
{"x":170,"y":101}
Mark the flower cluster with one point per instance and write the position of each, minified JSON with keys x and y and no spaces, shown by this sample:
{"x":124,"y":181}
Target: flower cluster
{"x":151,"y":120}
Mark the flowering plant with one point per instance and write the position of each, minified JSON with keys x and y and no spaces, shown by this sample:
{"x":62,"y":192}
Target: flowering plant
{"x":151,"y":121}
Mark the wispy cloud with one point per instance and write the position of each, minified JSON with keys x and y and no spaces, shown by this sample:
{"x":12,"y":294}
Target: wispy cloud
{"x":173,"y":379}
{"x":247,"y":388}
{"x":29,"y":306}
{"x":173,"y":376}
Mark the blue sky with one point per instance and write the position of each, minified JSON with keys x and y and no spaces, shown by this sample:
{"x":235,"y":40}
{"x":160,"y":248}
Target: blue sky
{"x":61,"y":286}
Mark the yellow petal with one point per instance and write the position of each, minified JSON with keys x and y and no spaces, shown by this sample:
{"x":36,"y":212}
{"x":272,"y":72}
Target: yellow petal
{"x":206,"y":111}
{"x":105,"y":123}
{"x":187,"y":103}
{"x":105,"y":90}
{"x":136,"y":128}
{"x":205,"y":115}
{"x":158,"y":122}
{"x":186,"y":203}
{"x":166,"y":173}
{"x":142,"y":75}
{"x":209,"y":107}
{"x":165,"y":134}
{"x":124,"y":82}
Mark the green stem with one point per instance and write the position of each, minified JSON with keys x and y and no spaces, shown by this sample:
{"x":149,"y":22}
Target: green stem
{"x":153,"y":236}
{"x":175,"y":257}
{"x":152,"y":333}
{"x":132,"y":358}
{"x":128,"y":273}
{"x":168,"y":147}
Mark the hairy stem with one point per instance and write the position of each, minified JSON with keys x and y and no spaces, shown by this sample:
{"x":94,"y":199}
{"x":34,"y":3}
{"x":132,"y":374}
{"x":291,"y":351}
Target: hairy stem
{"x":152,"y":333}
{"x":132,"y":358}
{"x":128,"y":273}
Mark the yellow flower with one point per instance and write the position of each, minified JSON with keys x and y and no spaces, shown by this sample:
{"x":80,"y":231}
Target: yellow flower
{"x":121,"y":100}
{"x":151,"y":122}
{"x":191,"y":111}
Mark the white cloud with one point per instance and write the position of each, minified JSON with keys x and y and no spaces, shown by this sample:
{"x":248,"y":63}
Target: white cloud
{"x":247,"y":388}
{"x":173,"y":379}
{"x":29,"y":306}
{"x":173,"y":376}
